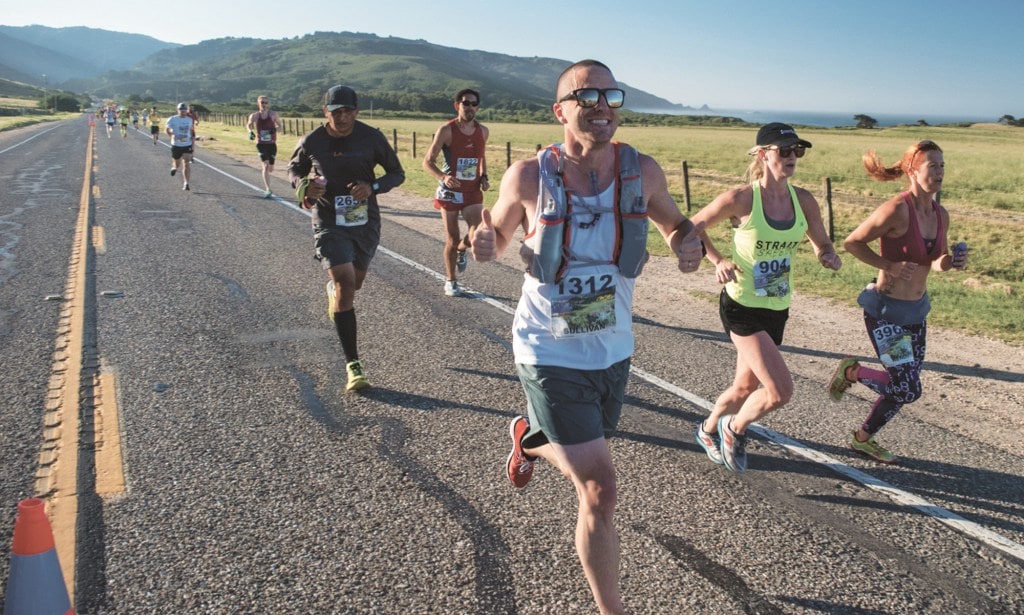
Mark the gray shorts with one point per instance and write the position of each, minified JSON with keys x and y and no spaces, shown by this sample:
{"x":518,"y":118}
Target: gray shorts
{"x":572,"y":406}
{"x":355,"y":245}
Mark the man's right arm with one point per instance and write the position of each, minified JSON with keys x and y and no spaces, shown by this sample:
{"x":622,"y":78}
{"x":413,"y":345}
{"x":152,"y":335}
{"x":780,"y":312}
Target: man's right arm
{"x":517,"y":198}
{"x":441,"y":138}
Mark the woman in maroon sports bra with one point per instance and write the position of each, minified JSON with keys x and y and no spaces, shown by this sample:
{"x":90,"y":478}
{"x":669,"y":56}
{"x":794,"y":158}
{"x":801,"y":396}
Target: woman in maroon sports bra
{"x":912,"y":230}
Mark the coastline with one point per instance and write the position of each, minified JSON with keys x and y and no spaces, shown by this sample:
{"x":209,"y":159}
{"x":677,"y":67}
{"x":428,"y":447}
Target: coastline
{"x":829,"y":119}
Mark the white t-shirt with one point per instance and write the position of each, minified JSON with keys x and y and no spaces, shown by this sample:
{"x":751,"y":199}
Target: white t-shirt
{"x":181,"y":128}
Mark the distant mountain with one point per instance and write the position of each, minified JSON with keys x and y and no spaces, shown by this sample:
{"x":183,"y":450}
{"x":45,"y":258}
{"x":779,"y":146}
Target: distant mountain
{"x":388,"y":72}
{"x":50,"y":56}
{"x":16,"y":89}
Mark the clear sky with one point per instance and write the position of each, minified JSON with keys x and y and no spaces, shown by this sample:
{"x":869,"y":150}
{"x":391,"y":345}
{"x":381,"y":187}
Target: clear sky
{"x":924,"y":57}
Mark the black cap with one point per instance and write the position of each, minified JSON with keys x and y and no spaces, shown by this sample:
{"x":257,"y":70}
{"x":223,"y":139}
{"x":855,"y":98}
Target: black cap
{"x":779,"y":134}
{"x":340,"y":97}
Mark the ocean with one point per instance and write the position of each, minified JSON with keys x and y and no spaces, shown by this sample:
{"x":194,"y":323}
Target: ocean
{"x":830,"y":119}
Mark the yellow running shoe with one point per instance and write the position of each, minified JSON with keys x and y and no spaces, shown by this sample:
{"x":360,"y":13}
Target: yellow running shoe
{"x":838,"y":385}
{"x":872,"y":449}
{"x":356,"y":378}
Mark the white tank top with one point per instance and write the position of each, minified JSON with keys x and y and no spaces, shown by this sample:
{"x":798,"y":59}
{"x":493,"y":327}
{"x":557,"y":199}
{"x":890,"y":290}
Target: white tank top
{"x":584,"y":321}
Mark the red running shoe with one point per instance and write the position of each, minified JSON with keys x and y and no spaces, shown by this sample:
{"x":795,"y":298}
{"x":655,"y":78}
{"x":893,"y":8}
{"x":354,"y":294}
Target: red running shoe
{"x":519,"y":466}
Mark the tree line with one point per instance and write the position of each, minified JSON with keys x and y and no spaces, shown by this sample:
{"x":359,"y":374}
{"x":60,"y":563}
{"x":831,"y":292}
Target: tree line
{"x":432,"y":104}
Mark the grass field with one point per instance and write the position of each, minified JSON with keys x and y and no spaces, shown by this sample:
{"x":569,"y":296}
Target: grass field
{"x":984,"y":192}
{"x":8,"y":122}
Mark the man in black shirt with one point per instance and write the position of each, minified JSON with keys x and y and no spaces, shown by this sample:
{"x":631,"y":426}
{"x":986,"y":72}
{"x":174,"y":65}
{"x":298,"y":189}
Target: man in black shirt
{"x":332,"y":169}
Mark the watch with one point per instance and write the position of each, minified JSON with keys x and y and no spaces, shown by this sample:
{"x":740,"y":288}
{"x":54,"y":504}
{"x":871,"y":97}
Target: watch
{"x":375,"y":187}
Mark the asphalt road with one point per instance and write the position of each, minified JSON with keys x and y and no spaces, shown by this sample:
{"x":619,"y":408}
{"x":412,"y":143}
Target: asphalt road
{"x":255,"y":484}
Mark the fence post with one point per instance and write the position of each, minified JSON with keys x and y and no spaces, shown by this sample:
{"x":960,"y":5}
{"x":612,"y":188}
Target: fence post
{"x":414,"y":145}
{"x":686,"y":186}
{"x":827,"y":189}
{"x":508,"y":154}
{"x":394,"y":139}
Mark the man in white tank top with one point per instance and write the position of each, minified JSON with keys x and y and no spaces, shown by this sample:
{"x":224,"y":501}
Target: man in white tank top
{"x":577,"y":331}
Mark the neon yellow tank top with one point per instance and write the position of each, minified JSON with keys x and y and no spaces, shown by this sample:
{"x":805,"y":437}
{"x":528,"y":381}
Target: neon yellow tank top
{"x":764,"y":255}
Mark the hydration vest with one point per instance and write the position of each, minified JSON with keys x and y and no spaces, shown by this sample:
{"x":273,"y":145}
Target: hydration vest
{"x":549,"y":259}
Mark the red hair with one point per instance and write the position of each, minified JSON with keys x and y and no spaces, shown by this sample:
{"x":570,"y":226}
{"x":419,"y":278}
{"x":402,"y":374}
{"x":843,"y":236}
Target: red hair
{"x":877,"y":169}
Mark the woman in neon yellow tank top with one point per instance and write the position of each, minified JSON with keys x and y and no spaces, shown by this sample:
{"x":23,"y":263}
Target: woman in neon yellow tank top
{"x":770,"y":218}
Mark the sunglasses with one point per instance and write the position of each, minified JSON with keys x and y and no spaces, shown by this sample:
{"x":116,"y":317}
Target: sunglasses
{"x":589,"y":97}
{"x":784,"y":152}
{"x":470,"y":103}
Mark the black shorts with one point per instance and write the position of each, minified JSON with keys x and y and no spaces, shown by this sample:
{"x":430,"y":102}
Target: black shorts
{"x":743,"y":321}
{"x":154,"y":129}
{"x":268,"y":151}
{"x":339,"y":246}
{"x":178,"y":150}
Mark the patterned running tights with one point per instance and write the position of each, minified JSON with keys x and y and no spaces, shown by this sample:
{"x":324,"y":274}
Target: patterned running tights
{"x":901,"y":351}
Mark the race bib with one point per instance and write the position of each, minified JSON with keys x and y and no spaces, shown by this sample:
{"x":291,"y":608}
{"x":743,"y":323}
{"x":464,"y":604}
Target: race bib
{"x":894,"y":345}
{"x":465,"y":168}
{"x":350,"y":212}
{"x":448,"y":195}
{"x":266,"y":136}
{"x":584,"y":306}
{"x":771,"y":277}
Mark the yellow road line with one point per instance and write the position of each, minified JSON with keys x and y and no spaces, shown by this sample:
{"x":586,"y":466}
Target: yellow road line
{"x":109,"y":463}
{"x":57,"y":475}
{"x":99,"y":240}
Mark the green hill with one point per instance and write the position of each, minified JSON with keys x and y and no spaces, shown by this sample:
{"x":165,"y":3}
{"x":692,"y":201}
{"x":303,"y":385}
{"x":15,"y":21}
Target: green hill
{"x":388,"y":72}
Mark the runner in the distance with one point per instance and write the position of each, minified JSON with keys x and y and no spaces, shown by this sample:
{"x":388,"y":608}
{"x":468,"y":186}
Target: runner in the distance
{"x":333,"y":170}
{"x":462,"y":179}
{"x":263,"y":126}
{"x":154,"y":126}
{"x":181,"y":130}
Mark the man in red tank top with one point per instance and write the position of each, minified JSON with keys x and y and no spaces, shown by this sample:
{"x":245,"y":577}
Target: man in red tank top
{"x":461,"y":180}
{"x":263,"y":126}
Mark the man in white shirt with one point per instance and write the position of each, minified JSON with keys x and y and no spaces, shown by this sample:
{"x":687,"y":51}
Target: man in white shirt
{"x":181,"y":129}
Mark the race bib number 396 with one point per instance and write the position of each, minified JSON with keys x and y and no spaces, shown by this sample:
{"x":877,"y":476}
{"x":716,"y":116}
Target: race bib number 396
{"x":894,"y":345}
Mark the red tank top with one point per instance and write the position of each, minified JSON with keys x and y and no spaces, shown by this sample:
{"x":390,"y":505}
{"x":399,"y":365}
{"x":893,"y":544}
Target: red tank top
{"x":463,"y":156}
{"x":266,"y":129}
{"x":910,"y":247}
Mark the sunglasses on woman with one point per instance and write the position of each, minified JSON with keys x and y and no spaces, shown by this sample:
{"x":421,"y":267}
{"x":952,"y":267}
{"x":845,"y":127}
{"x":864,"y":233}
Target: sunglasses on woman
{"x":784,"y":152}
{"x":589,"y":97}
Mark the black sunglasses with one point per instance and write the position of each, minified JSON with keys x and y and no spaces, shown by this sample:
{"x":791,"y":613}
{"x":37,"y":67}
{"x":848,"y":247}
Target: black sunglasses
{"x":784,"y":152}
{"x":589,"y":97}
{"x":470,"y":103}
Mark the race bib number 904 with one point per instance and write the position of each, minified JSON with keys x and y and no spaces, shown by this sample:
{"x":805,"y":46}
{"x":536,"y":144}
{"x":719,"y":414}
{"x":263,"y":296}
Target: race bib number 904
{"x":771,"y":277}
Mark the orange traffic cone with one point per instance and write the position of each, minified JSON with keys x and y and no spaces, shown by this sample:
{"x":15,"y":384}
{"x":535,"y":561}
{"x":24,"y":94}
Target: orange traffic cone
{"x":35,"y":583}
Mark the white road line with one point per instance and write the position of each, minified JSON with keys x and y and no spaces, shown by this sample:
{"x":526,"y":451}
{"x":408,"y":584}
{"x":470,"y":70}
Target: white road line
{"x":897,"y":495}
{"x":38,"y":134}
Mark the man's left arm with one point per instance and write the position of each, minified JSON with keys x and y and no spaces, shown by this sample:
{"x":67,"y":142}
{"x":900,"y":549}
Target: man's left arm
{"x":394,"y":174}
{"x":485,"y":182}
